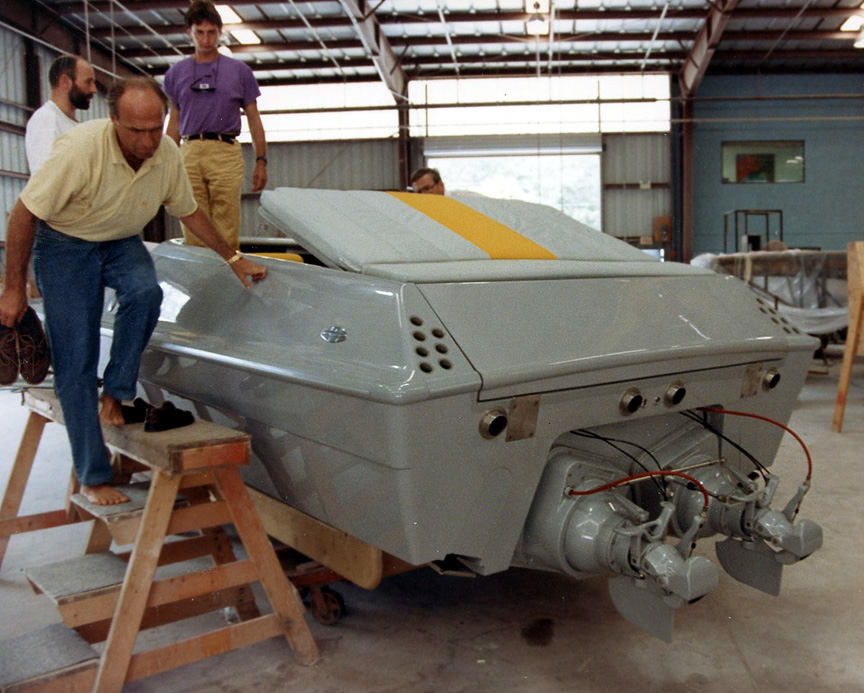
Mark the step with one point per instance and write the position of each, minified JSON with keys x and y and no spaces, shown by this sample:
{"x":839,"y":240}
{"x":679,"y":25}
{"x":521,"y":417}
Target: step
{"x":78,"y":578}
{"x":123,"y":519}
{"x":44,"y":656}
{"x":137,"y":494}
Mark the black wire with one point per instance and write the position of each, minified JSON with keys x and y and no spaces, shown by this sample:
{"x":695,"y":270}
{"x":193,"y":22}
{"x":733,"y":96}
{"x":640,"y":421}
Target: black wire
{"x":703,"y":421}
{"x":611,"y":442}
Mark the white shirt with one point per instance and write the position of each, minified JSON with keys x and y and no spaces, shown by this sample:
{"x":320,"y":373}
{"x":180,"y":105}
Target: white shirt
{"x":45,"y":126}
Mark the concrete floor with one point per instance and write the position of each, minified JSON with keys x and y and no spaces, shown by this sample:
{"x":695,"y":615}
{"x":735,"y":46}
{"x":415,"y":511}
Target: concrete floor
{"x":529,"y":631}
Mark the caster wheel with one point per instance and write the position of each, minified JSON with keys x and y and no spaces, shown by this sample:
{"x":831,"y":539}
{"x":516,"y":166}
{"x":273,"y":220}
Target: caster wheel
{"x":327,"y":606}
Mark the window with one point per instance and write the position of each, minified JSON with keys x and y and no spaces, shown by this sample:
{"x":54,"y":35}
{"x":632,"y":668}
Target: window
{"x":763,"y":162}
{"x":468,"y":106}
{"x":561,"y":172}
{"x":531,"y":105}
{"x":307,"y":112}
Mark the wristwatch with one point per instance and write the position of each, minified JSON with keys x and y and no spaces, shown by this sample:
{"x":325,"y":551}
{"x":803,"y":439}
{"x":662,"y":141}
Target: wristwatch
{"x":261,"y":158}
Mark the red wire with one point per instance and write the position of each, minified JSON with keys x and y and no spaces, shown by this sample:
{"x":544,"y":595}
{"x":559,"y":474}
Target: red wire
{"x":772,"y":421}
{"x":645,"y":475}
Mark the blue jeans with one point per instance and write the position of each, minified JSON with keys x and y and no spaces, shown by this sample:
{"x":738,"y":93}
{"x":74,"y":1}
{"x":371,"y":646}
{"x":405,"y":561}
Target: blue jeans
{"x":72,"y":275}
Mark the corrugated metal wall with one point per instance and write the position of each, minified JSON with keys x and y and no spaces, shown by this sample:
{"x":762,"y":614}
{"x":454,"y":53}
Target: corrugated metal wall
{"x":352,"y":165}
{"x":13,"y":163}
{"x":14,"y":114}
{"x":637,"y":182}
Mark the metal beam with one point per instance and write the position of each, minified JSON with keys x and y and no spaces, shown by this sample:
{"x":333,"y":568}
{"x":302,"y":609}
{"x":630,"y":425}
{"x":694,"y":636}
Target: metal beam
{"x":377,"y":47}
{"x":697,"y":60}
{"x":388,"y":19}
{"x":37,"y":22}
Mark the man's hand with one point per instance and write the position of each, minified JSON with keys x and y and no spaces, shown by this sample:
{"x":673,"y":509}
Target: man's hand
{"x":13,"y":305}
{"x":246,"y":268}
{"x":259,"y":176}
{"x":20,"y":232}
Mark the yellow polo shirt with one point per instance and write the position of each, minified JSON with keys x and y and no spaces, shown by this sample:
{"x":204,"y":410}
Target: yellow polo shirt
{"x":87,"y":189}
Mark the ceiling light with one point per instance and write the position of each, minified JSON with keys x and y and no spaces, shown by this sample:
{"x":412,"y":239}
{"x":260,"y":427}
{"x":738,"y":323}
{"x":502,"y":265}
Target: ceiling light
{"x":859,"y":42}
{"x":224,"y":50}
{"x":854,"y":23}
{"x":229,"y":16}
{"x":246,"y":37}
{"x":537,"y":25}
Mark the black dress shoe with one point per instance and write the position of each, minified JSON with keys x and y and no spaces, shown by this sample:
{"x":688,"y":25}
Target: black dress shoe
{"x":33,"y":356}
{"x":166,"y":417}
{"x":137,"y":413}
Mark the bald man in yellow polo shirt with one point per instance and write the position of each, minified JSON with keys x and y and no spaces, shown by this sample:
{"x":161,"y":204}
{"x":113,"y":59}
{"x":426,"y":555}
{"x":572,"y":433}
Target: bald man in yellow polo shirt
{"x":81,"y":215}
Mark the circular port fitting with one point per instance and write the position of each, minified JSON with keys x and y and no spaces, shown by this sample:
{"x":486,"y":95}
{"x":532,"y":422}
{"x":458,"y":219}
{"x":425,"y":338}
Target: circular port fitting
{"x":493,"y":423}
{"x":674,"y":394}
{"x":631,"y":401}
{"x":771,"y":379}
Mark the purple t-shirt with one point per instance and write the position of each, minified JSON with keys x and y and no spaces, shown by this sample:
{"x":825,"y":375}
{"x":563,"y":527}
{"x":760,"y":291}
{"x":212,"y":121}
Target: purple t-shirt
{"x":228,"y":85}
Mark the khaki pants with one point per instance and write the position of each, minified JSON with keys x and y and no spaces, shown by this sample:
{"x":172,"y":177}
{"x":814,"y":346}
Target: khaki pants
{"x":216,"y":172}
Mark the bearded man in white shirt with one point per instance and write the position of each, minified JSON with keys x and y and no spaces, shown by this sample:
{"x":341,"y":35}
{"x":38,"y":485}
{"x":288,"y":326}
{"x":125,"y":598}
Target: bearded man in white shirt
{"x":73,"y":84}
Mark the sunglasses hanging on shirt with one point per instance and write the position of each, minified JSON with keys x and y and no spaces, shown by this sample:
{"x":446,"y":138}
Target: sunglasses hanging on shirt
{"x":206,"y":82}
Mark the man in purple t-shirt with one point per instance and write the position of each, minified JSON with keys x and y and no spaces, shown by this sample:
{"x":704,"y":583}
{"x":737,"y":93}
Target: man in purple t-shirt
{"x":207,"y":92}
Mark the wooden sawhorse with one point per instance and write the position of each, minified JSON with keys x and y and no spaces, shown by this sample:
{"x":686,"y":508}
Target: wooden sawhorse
{"x":202,"y":462}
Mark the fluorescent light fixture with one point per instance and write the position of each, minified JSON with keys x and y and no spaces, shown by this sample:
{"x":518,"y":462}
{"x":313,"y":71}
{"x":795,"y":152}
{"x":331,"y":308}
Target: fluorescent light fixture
{"x":854,"y":23}
{"x":245,"y":36}
{"x":224,"y":50}
{"x":859,"y":42}
{"x":229,"y":16}
{"x":537,"y":25}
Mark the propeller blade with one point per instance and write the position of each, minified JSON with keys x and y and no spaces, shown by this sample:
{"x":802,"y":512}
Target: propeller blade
{"x":752,"y":562}
{"x":641,"y":607}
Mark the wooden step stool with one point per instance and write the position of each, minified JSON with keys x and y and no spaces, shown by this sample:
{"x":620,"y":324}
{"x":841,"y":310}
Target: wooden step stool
{"x":202,"y":462}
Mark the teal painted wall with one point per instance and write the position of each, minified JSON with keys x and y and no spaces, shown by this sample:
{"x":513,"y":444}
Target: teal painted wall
{"x":825,"y":211}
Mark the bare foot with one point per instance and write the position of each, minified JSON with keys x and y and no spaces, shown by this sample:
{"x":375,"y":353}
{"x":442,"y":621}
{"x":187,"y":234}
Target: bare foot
{"x":111,"y":414}
{"x":103,"y":494}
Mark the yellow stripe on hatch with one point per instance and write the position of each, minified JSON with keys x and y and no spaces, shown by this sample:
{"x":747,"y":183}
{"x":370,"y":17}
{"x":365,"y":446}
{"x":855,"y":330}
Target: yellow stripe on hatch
{"x":498,"y":241}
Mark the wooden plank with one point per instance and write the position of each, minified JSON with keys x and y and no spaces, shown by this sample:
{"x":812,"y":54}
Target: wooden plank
{"x":853,"y":334}
{"x":99,"y":538}
{"x":77,"y":679}
{"x":31,"y":523}
{"x":350,"y":557}
{"x":203,"y":444}
{"x":178,"y":611}
{"x":20,"y":474}
{"x":853,"y":337}
{"x":45,"y":402}
{"x":136,"y":587}
{"x":203,"y":646}
{"x":786,"y":263}
{"x":282,"y":594}
{"x":81,"y":609}
{"x":199,"y":516}
{"x":235,"y":453}
{"x":855,"y":283}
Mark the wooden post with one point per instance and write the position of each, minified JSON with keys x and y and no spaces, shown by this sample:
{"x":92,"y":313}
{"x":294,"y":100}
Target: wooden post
{"x":136,"y":586}
{"x":855,"y":275}
{"x":18,"y":478}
